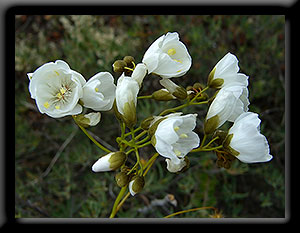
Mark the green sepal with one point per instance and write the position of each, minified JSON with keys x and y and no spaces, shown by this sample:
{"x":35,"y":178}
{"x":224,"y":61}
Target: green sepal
{"x":211,"y":124}
{"x":122,"y":179}
{"x":227,"y":147}
{"x":129,"y":116}
{"x":117,"y":159}
{"x":82,"y":121}
{"x":138,"y":184}
{"x":152,"y":129}
{"x":162,"y":95}
{"x":180,"y":93}
{"x":216,"y":83}
{"x":211,"y":76}
{"x":145,"y":124}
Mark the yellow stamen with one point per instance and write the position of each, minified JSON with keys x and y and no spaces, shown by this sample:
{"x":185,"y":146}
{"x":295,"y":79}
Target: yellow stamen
{"x":177,"y":60}
{"x":177,"y":152}
{"x":58,"y":95}
{"x":56,"y":73}
{"x":62,"y":90}
{"x":176,"y":128}
{"x":178,"y":71}
{"x":57,"y":106}
{"x":96,"y":89}
{"x":171,"y":52}
{"x":183,"y":135}
{"x":46,"y":104}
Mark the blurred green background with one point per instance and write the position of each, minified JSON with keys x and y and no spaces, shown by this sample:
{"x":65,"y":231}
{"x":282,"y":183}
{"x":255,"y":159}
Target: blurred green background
{"x":53,"y":158}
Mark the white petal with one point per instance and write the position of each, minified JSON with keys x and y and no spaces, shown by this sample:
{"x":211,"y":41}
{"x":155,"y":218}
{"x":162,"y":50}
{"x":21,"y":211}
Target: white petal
{"x":102,"y":164}
{"x":175,"y":167}
{"x":227,"y":65}
{"x":247,"y":139}
{"x":94,"y":118}
{"x":130,"y":188}
{"x":126,"y":91}
{"x":139,"y":73}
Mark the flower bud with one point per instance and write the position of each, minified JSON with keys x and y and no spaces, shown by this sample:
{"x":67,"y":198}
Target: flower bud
{"x":163,"y":95}
{"x":139,"y":73}
{"x":122,"y":179}
{"x":129,"y":60}
{"x":86,"y":120}
{"x":109,"y":162}
{"x":119,"y":65}
{"x":136,"y":185}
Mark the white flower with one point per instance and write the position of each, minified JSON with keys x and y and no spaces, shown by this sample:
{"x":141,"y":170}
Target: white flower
{"x":230,"y":102}
{"x":167,"y":57}
{"x":245,"y":141}
{"x":126,"y":98}
{"x":177,"y":91}
{"x":56,"y":89}
{"x":174,"y":138}
{"x":226,"y":72}
{"x":175,"y":167}
{"x":99,"y":92}
{"x":139,"y":73}
{"x":109,"y":162}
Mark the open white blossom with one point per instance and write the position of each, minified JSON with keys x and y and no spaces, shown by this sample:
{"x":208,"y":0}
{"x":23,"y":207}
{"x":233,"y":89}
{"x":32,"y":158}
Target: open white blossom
{"x":226,"y":72}
{"x":245,"y":141}
{"x":174,"y":137}
{"x":230,"y":102}
{"x":99,"y":92}
{"x":56,"y":89}
{"x":167,"y":56}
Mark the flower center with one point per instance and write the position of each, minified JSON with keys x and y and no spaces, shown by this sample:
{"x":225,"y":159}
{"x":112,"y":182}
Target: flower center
{"x":171,"y":52}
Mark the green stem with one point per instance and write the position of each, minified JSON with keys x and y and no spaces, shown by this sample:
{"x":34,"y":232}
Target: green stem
{"x":199,"y":93}
{"x":120,"y":195}
{"x":145,"y":97}
{"x":145,"y":144}
{"x":209,"y":149}
{"x":190,"y":210}
{"x":93,"y":140}
{"x":211,"y":142}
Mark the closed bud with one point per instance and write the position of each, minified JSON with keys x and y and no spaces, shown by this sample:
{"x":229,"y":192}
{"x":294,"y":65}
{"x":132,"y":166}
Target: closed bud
{"x":163,"y":95}
{"x":136,"y":185}
{"x":86,"y":120}
{"x":180,"y":93}
{"x":119,"y":65}
{"x":198,"y":86}
{"x":122,"y":179}
{"x":109,"y":162}
{"x":129,"y":60}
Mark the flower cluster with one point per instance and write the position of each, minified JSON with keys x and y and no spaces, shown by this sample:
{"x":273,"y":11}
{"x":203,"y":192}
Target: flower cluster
{"x":60,"y":91}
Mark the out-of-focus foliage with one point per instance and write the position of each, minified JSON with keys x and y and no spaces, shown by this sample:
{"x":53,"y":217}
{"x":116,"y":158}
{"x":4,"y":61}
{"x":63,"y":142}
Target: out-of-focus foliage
{"x":53,"y":158}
